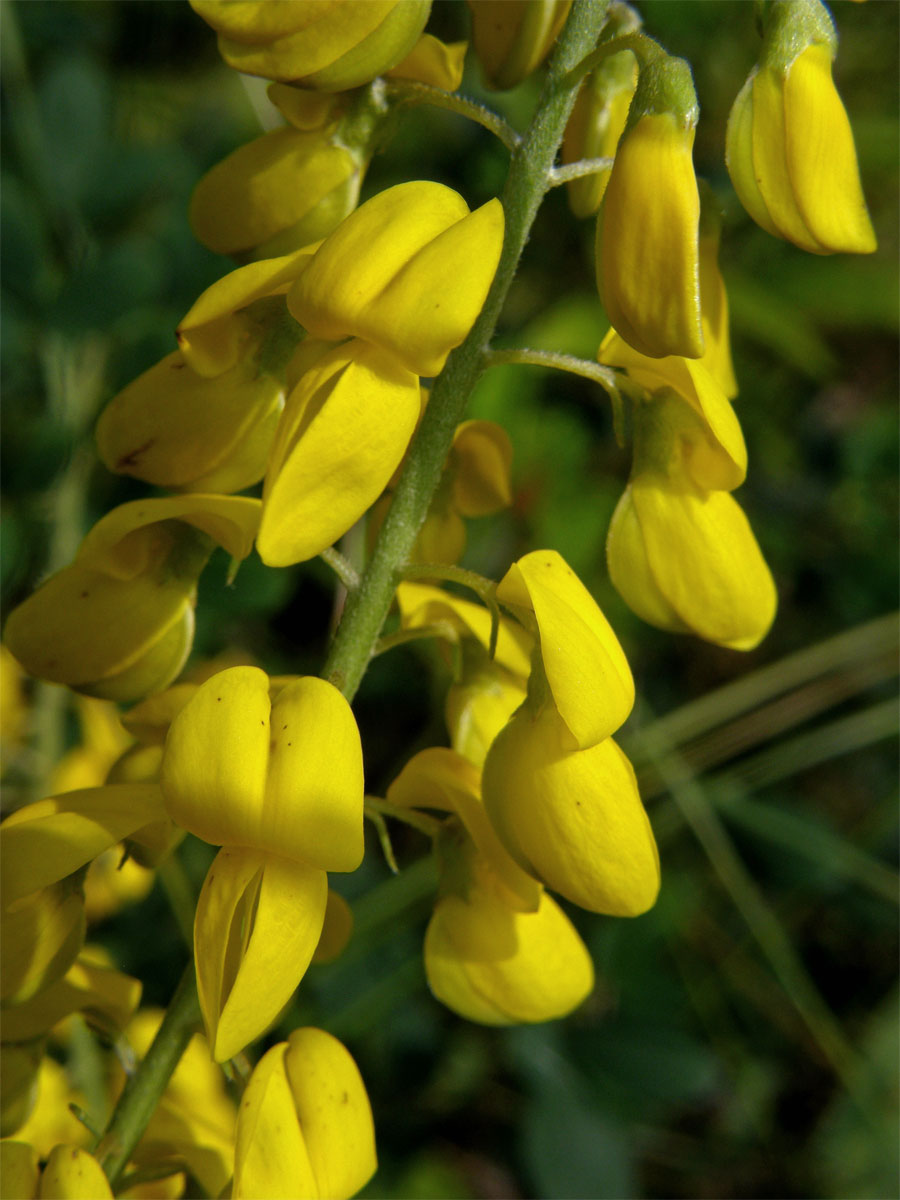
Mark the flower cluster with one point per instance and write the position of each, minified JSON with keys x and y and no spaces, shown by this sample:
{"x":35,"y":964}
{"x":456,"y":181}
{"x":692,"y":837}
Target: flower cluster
{"x":306,"y":373}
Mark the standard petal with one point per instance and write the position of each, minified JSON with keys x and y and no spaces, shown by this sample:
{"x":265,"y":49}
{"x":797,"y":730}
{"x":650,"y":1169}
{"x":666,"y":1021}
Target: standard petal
{"x":217,"y":751}
{"x":333,"y":1110}
{"x":314,"y":790}
{"x":586,"y":667}
{"x":409,"y":270}
{"x":345,"y":428}
{"x":258,"y":917}
{"x":573,"y":819}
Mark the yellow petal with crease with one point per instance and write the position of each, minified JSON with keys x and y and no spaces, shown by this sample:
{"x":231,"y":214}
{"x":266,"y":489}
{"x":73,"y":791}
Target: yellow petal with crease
{"x":214,"y":769}
{"x":333,"y":1111}
{"x":345,"y":428}
{"x":423,"y":604}
{"x":258,"y":917}
{"x":270,"y":1156}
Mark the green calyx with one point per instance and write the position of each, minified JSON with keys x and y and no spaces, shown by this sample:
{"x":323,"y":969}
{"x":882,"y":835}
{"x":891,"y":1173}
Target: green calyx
{"x":790,"y":27}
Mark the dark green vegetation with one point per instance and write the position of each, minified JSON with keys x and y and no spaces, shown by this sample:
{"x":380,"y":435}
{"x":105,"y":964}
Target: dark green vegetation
{"x":742,"y":1039}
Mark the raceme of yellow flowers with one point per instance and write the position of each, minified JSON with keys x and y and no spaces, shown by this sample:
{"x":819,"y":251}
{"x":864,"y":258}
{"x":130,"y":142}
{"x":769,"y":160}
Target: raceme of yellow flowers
{"x":304,"y":376}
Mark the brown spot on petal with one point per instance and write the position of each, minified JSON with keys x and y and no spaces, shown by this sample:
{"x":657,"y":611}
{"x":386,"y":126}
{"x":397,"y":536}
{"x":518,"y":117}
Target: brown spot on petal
{"x":132,"y":458}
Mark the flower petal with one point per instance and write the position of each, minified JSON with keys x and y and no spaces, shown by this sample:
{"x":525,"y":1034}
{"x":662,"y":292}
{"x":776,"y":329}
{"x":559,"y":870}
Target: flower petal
{"x":258,"y":918}
{"x":345,"y":428}
{"x":573,"y":819}
{"x":270,"y":1156}
{"x":333,"y":1110}
{"x":423,"y":604}
{"x":586,"y":667}
{"x":497,"y":966}
{"x":46,"y":841}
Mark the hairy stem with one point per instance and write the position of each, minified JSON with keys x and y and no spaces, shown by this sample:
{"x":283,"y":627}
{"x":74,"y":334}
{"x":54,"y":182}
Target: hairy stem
{"x":526,"y":184}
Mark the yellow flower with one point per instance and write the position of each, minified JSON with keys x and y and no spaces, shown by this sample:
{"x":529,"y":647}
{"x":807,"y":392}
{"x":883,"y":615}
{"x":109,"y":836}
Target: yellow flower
{"x":479,"y":704}
{"x":713,"y":297}
{"x":119,"y":621}
{"x":409,"y":270}
{"x":176,"y":429}
{"x":648,"y":270}
{"x":707,"y":433}
{"x":789,"y":145}
{"x":595,"y":126}
{"x":586,"y":670}
{"x":497,"y":949}
{"x":686,"y":560}
{"x":279,"y":785}
{"x":513,"y":37}
{"x":571,"y":818}
{"x":305,"y":1125}
{"x":345,"y":427}
{"x":330,"y":46}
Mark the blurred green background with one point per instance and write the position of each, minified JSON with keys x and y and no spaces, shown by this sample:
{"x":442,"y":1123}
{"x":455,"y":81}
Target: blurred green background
{"x":742,"y":1039}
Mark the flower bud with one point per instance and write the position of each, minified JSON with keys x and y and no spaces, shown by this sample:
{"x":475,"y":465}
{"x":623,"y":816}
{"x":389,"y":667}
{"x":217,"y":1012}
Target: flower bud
{"x":275,"y":194}
{"x":331,"y":47}
{"x":595,"y":126}
{"x":789,"y":146}
{"x":648,"y":269}
{"x":571,"y":818}
{"x":513,"y":37}
{"x":305,"y":1124}
{"x":409,"y":271}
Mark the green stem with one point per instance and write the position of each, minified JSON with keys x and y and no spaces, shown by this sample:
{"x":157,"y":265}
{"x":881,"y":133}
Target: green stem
{"x":409,"y":93}
{"x":526,"y":185}
{"x":577,"y":170}
{"x":145,"y":1087}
